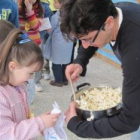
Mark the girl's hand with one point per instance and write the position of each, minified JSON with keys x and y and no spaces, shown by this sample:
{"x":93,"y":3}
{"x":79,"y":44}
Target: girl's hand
{"x":49,"y":119}
{"x":29,"y":5}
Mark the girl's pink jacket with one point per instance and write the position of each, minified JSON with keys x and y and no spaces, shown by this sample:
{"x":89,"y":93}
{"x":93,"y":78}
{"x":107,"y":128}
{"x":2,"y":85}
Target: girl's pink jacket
{"x":15,"y":123}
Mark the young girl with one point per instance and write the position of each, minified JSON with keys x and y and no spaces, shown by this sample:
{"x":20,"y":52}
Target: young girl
{"x":30,"y":18}
{"x":19,"y":59}
{"x":61,"y":50}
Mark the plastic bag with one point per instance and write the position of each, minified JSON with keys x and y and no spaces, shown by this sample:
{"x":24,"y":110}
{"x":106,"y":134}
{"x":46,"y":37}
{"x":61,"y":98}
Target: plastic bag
{"x":56,"y":132}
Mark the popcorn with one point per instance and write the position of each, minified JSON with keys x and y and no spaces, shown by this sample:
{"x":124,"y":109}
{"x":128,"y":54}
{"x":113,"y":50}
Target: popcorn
{"x":99,"y":98}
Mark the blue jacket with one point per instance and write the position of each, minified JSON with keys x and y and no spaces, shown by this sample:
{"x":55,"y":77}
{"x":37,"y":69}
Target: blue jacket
{"x":47,"y":10}
{"x":61,"y":49}
{"x":9,"y":11}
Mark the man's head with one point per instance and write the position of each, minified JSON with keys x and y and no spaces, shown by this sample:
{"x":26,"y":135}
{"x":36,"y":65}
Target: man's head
{"x":81,"y":17}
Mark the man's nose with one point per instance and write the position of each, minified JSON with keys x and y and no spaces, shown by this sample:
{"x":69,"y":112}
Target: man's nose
{"x":85,"y":44}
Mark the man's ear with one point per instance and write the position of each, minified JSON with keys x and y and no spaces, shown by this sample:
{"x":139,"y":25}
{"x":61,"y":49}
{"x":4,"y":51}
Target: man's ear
{"x":12,"y":65}
{"x":109,"y":22}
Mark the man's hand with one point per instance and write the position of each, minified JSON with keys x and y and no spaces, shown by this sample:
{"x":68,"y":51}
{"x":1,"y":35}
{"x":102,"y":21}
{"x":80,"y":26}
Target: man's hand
{"x":70,"y":112}
{"x":73,"y":71}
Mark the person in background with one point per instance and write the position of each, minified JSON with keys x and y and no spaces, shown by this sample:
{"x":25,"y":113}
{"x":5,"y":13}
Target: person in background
{"x":8,"y":25}
{"x":54,"y":10}
{"x":30,"y":19}
{"x":97,"y":23}
{"x":61,"y":50}
{"x":9,"y":11}
{"x":44,"y":36}
{"x":19,"y":55}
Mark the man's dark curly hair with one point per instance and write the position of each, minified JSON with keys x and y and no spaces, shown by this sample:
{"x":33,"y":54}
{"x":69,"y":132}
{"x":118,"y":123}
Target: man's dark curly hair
{"x":79,"y":17}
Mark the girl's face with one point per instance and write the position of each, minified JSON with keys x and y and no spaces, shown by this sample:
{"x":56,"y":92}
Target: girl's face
{"x":56,"y":4}
{"x":20,"y":75}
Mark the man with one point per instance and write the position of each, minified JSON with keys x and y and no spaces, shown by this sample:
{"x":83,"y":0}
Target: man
{"x":9,"y":11}
{"x":96,"y":23}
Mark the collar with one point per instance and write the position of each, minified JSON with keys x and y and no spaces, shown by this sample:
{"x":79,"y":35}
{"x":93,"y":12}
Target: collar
{"x":120,"y":18}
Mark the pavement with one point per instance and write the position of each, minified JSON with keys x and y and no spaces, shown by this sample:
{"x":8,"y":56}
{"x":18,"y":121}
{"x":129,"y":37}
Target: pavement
{"x":99,"y":72}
